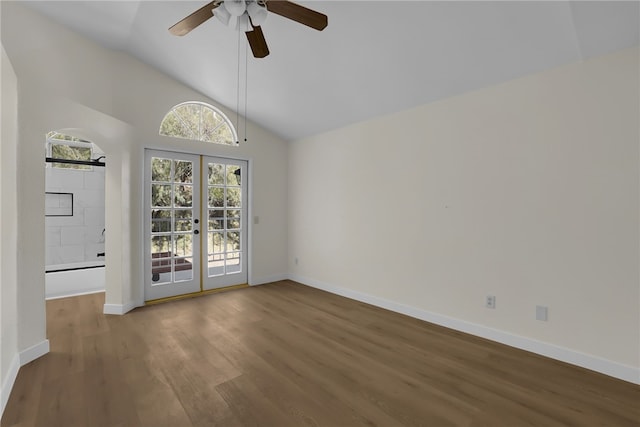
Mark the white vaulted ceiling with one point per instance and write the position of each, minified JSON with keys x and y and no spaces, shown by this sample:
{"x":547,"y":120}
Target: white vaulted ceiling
{"x":375,"y":57}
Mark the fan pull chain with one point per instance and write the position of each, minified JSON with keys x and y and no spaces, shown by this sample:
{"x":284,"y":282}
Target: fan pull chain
{"x":246,"y":84}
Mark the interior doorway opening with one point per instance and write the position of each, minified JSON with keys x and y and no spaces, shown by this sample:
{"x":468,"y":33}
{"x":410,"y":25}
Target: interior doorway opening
{"x":75,"y":231}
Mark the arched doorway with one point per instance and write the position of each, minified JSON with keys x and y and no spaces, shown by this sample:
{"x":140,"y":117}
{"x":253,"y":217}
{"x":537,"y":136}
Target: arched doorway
{"x":75,"y":231}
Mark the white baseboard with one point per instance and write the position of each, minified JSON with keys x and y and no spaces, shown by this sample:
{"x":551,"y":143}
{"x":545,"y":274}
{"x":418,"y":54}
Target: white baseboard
{"x":20,"y":359}
{"x":119,"y":309}
{"x":7,"y":384}
{"x":33,"y":352}
{"x":268,"y":279}
{"x":604,"y":366}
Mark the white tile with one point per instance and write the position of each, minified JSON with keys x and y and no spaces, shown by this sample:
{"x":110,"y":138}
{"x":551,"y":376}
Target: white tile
{"x":72,"y":235}
{"x":52,"y":236}
{"x":93,"y":235}
{"x":94,"y":216}
{"x":53,"y":255}
{"x":66,"y":221}
{"x":54,"y":178}
{"x":71,"y":253}
{"x":91,"y":252}
{"x":94,"y":232}
{"x":89,"y":199}
{"x":47,"y":177}
{"x":66,"y":179}
{"x":94,"y":180}
{"x":100,"y":232}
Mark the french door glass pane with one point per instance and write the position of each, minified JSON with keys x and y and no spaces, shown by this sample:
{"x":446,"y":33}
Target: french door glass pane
{"x":160,"y":170}
{"x":215,"y":265}
{"x":233,"y":223}
{"x":225,"y":235}
{"x":183,"y":268}
{"x":216,"y":219}
{"x":172,"y":246}
{"x":233,"y":241}
{"x":183,"y":220}
{"x":183,"y":195}
{"x":216,"y":174}
{"x":233,"y":175}
{"x":160,"y":270}
{"x":183,"y":171}
{"x":232,"y":264}
{"x":161,"y":245}
{"x":215,"y":242}
{"x":183,"y":245}
{"x":233,"y":197}
{"x":160,"y":195}
{"x":216,"y":197}
{"x":161,"y":220}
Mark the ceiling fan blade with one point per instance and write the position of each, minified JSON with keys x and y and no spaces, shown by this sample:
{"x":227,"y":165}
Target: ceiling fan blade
{"x":298,"y":13}
{"x":196,"y":18}
{"x":257,"y":42}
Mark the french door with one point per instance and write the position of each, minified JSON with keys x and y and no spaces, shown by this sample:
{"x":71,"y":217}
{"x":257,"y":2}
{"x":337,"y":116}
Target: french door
{"x":195,"y":223}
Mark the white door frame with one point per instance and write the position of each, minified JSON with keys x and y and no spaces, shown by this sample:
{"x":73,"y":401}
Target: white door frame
{"x":146,"y":185}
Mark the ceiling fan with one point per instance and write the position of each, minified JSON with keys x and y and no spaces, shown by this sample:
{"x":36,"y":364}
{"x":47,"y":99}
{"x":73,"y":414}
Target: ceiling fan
{"x":250,"y":14}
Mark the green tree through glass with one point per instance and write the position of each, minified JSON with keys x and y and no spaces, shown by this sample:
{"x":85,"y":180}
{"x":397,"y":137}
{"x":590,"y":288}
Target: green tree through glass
{"x":200,"y":122}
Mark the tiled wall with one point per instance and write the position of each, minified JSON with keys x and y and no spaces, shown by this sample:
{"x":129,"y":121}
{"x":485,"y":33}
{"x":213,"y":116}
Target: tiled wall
{"x":76,"y":238}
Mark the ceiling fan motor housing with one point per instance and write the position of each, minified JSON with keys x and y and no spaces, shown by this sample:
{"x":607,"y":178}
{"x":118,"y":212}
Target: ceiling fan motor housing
{"x":248,"y":15}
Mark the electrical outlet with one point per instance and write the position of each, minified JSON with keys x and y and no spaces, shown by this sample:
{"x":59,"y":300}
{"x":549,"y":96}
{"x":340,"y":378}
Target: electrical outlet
{"x":490,"y":301}
{"x":542,"y":312}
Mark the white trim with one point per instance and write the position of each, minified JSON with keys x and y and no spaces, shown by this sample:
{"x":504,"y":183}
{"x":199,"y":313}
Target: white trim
{"x":268,"y":279}
{"x":249,"y":220}
{"x":119,"y":309}
{"x":76,"y":294}
{"x":594,"y":363}
{"x":7,"y":384}
{"x":32,"y":353}
{"x":20,"y":359}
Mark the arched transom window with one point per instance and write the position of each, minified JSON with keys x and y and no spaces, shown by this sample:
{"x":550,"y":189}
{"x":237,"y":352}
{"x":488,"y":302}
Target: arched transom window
{"x":200,"y":122}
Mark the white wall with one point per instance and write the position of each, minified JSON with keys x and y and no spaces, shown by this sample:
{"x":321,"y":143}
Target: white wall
{"x":116,"y":102}
{"x":8,"y":232}
{"x":527,"y":191}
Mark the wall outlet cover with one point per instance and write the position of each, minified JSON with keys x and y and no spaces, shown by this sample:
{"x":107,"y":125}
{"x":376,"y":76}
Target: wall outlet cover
{"x":490,"y":301}
{"x":542,"y":312}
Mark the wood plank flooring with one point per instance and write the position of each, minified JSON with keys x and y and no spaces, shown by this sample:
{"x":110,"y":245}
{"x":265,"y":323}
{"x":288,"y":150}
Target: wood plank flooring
{"x":285,"y":354}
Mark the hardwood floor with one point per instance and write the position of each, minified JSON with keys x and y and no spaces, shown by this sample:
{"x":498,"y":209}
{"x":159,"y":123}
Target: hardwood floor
{"x":288,"y":355}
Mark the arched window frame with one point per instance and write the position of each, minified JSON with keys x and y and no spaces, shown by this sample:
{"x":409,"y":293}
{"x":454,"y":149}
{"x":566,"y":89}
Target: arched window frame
{"x":76,"y":149}
{"x":203,"y":106}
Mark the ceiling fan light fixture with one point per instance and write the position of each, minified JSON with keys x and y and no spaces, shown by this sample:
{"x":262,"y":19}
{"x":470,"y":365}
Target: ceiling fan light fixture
{"x":257,"y":12}
{"x":222,"y":14}
{"x":235,"y":7}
